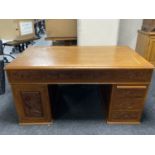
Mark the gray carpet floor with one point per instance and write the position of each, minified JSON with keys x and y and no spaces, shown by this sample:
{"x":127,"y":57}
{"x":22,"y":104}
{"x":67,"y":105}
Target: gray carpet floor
{"x":82,"y":114}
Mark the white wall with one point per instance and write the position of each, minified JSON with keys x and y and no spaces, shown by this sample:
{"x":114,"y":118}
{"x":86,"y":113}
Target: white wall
{"x":128,"y":32}
{"x":93,"y":32}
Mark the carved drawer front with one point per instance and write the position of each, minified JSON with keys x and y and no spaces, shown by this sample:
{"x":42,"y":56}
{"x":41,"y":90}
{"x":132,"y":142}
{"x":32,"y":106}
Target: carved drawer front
{"x":127,"y":104}
{"x":125,"y":116}
{"x":32,"y":103}
{"x":128,"y":97}
{"x":130,"y":91}
{"x":80,"y":76}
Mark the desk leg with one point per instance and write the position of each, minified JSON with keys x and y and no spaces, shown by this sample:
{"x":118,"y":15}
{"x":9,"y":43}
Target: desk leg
{"x":32,"y":103}
{"x":126,"y":104}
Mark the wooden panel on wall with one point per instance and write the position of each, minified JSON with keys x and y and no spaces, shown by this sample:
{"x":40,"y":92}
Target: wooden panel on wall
{"x":61,"y":27}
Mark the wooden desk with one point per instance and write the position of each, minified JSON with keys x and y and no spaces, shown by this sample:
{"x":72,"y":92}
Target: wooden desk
{"x":125,"y":76}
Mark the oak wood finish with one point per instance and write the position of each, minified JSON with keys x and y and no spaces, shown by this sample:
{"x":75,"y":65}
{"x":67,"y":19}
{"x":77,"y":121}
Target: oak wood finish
{"x":111,"y":76}
{"x":125,"y":73}
{"x":76,"y":57}
{"x":32,"y":103}
{"x":146,"y":45}
{"x":126,"y":103}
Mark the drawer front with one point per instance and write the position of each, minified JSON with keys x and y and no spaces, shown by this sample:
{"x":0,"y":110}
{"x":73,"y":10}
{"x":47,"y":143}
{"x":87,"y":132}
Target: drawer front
{"x":124,"y":116}
{"x":127,"y":104}
{"x":80,"y":76}
{"x":130,"y":92}
{"x":128,"y":97}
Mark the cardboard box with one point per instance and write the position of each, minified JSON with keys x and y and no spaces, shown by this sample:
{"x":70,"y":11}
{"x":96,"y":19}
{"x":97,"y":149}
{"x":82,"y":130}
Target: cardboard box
{"x":16,"y":29}
{"x":61,"y":27}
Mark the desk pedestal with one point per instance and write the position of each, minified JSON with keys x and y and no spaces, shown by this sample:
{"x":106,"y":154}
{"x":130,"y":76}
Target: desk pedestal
{"x":32,"y":103}
{"x":124,"y":103}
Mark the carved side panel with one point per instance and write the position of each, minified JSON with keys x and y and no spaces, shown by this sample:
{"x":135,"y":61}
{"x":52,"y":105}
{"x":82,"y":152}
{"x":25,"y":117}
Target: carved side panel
{"x":32,"y":104}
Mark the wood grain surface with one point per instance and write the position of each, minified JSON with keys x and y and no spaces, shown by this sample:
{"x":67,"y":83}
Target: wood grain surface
{"x":79,"y":58}
{"x":125,"y":73}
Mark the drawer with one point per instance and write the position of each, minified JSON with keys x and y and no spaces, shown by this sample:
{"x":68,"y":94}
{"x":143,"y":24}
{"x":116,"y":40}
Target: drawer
{"x":129,"y":91}
{"x":128,"y":97}
{"x":124,"y":116}
{"x":127,"y":104}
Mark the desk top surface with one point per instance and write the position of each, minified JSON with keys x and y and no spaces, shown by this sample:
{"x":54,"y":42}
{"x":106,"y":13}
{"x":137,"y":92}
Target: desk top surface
{"x":77,"y":57}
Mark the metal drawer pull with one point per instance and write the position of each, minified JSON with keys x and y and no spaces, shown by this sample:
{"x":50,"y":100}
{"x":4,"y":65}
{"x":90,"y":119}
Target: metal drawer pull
{"x":131,"y":87}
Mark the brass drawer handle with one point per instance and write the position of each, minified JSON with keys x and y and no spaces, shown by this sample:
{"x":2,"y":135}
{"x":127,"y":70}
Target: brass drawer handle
{"x":131,"y":87}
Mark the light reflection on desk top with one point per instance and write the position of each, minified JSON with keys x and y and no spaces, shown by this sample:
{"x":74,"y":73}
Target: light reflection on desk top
{"x":79,"y":57}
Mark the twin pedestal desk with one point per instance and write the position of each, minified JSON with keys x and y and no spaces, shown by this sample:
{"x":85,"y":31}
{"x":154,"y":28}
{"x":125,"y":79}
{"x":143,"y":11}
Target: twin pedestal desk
{"x":123,"y":74}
